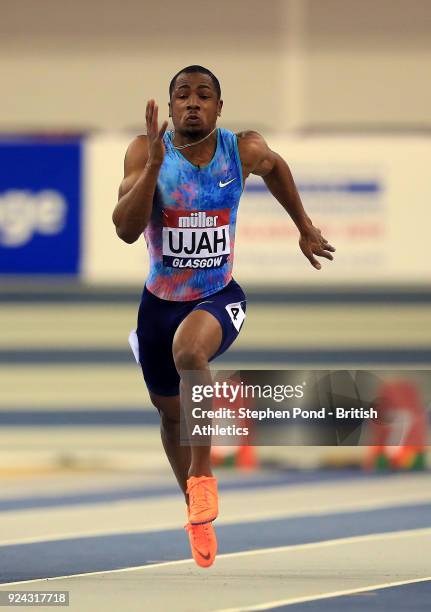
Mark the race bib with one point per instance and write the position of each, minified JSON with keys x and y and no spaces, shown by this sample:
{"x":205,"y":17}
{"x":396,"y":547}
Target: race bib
{"x":196,"y":239}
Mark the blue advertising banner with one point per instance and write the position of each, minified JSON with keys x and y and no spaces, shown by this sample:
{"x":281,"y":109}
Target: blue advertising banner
{"x":40,"y":206}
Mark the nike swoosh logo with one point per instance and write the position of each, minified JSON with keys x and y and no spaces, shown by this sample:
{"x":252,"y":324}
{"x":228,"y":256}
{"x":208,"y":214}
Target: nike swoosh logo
{"x":206,"y":302}
{"x":228,"y":183}
{"x":206,"y":557}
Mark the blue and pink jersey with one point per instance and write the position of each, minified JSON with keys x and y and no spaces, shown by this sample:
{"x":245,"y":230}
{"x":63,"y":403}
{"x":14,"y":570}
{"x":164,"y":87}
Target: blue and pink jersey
{"x":191,"y":234}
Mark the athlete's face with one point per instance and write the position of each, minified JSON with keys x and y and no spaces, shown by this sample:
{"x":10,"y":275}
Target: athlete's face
{"x":194,"y":106}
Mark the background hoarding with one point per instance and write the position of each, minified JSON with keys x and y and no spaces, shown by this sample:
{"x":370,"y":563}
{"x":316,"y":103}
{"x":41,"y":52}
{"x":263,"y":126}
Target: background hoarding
{"x":367,"y":194}
{"x":40,"y":207}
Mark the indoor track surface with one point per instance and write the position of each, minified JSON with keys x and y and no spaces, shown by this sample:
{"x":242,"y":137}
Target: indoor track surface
{"x":87,"y":503}
{"x":309,"y":541}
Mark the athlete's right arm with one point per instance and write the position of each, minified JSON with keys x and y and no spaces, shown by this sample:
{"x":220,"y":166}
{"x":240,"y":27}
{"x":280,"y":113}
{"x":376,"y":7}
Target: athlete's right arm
{"x":142,"y":163}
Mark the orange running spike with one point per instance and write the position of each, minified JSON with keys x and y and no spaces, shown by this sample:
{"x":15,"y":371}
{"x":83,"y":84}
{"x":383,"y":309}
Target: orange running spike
{"x":203,"y":542}
{"x":203,"y":499}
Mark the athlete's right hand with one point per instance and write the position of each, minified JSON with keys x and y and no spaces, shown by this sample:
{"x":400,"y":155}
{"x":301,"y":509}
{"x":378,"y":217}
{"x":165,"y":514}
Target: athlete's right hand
{"x":156,"y":148}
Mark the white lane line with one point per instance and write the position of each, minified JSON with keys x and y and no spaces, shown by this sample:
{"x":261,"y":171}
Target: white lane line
{"x":247,"y":553}
{"x":323,"y":510}
{"x":289,"y":602}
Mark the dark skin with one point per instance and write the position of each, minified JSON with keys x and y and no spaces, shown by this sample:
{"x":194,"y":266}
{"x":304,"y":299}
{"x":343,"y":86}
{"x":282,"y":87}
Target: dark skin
{"x":195,"y":108}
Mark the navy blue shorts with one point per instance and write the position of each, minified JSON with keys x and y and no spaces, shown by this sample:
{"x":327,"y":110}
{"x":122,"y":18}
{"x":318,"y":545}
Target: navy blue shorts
{"x":158,"y":320}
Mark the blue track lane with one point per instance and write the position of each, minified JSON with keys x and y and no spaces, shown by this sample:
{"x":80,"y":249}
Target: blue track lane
{"x":407,"y":598}
{"x":89,"y":417}
{"x":101,"y":553}
{"x":384,"y":355}
{"x":282,"y":479}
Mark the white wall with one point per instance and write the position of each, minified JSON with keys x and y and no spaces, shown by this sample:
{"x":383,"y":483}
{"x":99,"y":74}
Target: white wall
{"x":368,"y":61}
{"x":94,"y":64}
{"x":283,"y":64}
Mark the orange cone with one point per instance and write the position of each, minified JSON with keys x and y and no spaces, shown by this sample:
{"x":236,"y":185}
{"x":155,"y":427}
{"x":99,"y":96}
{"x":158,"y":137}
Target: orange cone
{"x":246,"y":458}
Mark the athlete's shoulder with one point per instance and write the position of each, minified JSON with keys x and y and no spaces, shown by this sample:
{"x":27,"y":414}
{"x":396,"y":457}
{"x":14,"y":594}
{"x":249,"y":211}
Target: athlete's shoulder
{"x":250,"y":139}
{"x":136,"y":154}
{"x":255,"y":154}
{"x":138,"y":145}
{"x":249,"y":135}
{"x":251,"y":144}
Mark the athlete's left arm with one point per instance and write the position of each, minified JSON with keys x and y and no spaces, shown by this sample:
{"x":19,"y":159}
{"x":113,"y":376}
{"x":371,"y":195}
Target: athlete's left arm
{"x":258,"y":158}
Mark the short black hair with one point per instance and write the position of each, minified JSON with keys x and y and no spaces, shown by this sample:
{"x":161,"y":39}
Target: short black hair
{"x":196,"y":68}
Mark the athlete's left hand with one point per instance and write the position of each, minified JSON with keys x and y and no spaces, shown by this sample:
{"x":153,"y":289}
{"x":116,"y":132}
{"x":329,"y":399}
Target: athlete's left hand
{"x":312,"y":243}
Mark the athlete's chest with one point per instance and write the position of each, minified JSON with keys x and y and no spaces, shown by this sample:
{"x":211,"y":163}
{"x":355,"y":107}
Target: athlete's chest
{"x":181,"y":185}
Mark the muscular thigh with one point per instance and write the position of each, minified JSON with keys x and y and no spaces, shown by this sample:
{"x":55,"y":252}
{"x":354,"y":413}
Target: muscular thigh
{"x":198,"y":337}
{"x":214,"y":323}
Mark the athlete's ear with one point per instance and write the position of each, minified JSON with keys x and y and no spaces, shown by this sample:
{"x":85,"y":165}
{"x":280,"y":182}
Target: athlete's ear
{"x":220,"y":106}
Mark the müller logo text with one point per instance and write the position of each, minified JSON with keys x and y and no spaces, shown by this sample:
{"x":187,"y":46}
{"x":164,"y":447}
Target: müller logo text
{"x":198,"y":219}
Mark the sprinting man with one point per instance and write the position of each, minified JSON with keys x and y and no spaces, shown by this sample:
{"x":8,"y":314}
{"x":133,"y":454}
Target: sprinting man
{"x":181,"y":189}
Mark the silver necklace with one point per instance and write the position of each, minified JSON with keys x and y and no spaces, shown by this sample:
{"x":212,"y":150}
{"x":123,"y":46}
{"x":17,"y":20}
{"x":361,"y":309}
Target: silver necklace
{"x":190,"y":144}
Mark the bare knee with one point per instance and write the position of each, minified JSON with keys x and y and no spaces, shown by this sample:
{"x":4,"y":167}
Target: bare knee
{"x":190,"y":357}
{"x":169,"y":410}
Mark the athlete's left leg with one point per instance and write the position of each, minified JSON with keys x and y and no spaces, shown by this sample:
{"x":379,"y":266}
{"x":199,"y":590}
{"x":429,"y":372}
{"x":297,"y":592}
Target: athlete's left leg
{"x":196,"y":340}
{"x":207,"y":331}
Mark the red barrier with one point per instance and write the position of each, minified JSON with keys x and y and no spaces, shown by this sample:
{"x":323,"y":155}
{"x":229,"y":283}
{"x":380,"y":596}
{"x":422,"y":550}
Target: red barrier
{"x":398,"y":437}
{"x":242,"y":455}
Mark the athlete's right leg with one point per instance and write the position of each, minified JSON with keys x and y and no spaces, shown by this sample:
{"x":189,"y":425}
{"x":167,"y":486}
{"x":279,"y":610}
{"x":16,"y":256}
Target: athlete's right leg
{"x":179,"y":456}
{"x":157,"y":323}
